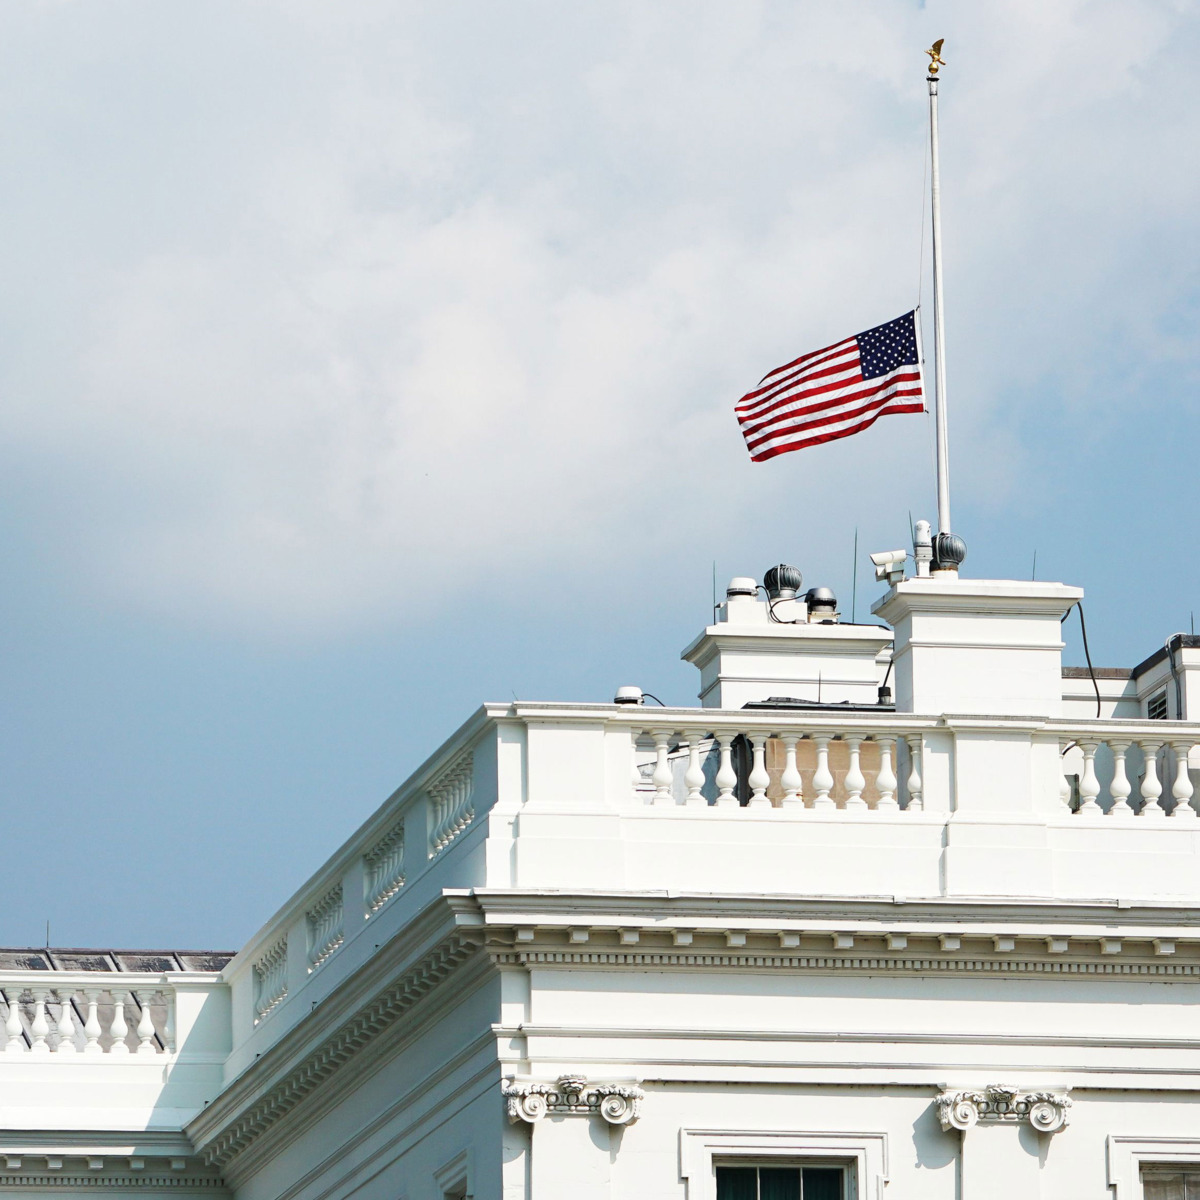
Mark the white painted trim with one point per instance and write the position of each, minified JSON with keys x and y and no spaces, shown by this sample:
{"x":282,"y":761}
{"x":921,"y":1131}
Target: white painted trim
{"x":459,"y":1172}
{"x":865,"y":1153}
{"x":1127,"y":1155}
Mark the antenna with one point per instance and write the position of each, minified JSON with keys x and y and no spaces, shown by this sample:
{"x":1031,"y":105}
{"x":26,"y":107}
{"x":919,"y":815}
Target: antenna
{"x":1033,"y":573}
{"x":854,"y":588}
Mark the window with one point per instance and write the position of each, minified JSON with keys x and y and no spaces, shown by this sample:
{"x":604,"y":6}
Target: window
{"x":854,"y":1165}
{"x":1171,"y":1183}
{"x":1156,"y":707}
{"x":816,"y":1182}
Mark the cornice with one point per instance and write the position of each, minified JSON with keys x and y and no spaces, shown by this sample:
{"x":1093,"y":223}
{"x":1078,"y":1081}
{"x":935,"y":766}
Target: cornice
{"x":965,"y":915}
{"x":722,"y":942}
{"x":362,"y":1009}
{"x":831,"y":963}
{"x":134,"y":1181}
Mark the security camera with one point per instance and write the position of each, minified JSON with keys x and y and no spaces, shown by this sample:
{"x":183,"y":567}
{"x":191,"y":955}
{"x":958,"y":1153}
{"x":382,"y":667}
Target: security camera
{"x":889,"y":565}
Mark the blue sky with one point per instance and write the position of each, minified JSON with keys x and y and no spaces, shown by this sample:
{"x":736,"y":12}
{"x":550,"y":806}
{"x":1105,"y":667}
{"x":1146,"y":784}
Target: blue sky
{"x":362,"y":363}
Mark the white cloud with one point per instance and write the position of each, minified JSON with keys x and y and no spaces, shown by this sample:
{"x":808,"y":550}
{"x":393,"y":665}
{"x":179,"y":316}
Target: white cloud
{"x":478,"y":289}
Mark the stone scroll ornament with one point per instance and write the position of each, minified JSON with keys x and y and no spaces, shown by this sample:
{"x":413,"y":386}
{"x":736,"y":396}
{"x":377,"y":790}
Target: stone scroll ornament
{"x":1045,"y":1111}
{"x":572,"y":1095}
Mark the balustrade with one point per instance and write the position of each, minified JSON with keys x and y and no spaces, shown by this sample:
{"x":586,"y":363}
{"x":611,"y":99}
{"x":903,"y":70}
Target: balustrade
{"x":764,"y":770}
{"x":270,"y":978}
{"x":44,"y":1018}
{"x":326,"y":927}
{"x":451,"y":803}
{"x":1094,"y":793}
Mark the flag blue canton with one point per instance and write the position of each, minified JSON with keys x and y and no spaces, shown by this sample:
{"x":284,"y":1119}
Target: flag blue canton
{"x":888,"y":346}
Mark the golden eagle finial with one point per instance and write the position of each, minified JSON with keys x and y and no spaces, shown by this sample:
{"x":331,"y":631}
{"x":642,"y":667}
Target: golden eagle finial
{"x":935,"y":56}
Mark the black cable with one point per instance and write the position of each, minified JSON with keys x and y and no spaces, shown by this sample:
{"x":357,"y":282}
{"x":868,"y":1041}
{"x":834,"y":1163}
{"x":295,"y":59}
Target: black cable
{"x":1087,"y":655}
{"x":1175,"y":675}
{"x":652,"y":696}
{"x":779,"y":620}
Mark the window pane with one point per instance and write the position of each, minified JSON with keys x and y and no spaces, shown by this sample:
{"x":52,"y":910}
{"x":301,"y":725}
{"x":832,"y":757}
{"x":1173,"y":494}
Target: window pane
{"x":1158,"y":1186}
{"x":737,"y":1183}
{"x":822,"y":1183}
{"x":779,"y":1183}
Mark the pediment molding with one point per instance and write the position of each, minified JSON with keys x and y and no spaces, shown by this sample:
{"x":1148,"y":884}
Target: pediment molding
{"x":231,"y":1125}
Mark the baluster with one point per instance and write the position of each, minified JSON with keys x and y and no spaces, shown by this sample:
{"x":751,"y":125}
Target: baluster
{"x":39,"y":1027}
{"x":1182,"y":788}
{"x":1151,"y":788}
{"x":791,"y":780}
{"x":145,"y":1025}
{"x":169,"y":1039}
{"x":1121,"y":787}
{"x":66,"y":1023}
{"x":1064,"y":780}
{"x":823,"y":777}
{"x":915,"y":799}
{"x":635,"y":771}
{"x":855,"y":782}
{"x":885,"y":781}
{"x":759,"y":779}
{"x":726,"y":775}
{"x":1089,"y":785}
{"x":12,"y":1025}
{"x":91,"y":1027}
{"x":662,"y":769}
{"x":118,"y":1029}
{"x":694,"y":776}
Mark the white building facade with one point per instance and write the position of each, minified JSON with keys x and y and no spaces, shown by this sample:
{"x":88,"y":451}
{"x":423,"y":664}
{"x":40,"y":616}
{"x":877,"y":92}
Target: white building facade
{"x":801,"y":942}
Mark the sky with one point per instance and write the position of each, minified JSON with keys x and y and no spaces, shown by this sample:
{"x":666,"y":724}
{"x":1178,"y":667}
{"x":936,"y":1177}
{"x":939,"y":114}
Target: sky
{"x":362,"y":363}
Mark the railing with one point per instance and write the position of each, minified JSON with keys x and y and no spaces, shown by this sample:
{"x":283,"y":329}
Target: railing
{"x":1125,"y":774}
{"x":412,"y":831}
{"x":49,"y":1014}
{"x":826,"y":767}
{"x":832,"y":765}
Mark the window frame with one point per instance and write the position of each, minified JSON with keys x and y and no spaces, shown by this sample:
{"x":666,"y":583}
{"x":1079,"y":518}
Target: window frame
{"x":862,"y":1155}
{"x":1128,"y":1155}
{"x":456,"y":1177}
{"x":845,"y":1165}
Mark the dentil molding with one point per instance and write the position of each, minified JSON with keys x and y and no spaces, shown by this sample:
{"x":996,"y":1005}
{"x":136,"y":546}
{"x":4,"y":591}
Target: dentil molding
{"x":572,"y":1095}
{"x":995,"y":1104}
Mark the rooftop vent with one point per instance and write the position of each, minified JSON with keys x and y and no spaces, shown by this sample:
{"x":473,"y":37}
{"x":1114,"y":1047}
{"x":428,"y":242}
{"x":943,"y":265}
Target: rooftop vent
{"x":822,"y":605}
{"x":783,"y":582}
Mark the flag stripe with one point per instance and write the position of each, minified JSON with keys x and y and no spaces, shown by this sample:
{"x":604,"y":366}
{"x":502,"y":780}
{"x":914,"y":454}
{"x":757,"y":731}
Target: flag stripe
{"x":843,"y":352}
{"x":831,"y":420}
{"x":847,"y":417}
{"x":808,"y":358}
{"x":848,"y":365}
{"x":831,"y":435}
{"x":835,"y":391}
{"x":832,"y":395}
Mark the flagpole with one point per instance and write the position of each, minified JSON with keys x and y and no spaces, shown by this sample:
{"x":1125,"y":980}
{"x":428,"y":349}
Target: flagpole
{"x":949,"y":550}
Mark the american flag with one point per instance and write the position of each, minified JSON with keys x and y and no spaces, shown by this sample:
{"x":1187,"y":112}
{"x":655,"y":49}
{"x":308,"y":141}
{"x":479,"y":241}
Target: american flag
{"x":835,"y":392}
